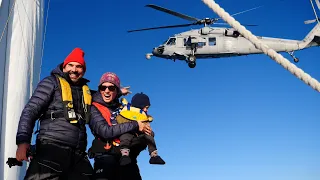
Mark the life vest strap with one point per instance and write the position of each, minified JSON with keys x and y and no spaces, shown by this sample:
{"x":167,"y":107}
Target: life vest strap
{"x":58,"y":114}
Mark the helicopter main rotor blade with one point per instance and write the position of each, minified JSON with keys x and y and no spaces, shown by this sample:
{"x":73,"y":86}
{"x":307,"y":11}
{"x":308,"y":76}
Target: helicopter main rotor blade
{"x":243,"y":11}
{"x":246,"y":10}
{"x":162,"y":27}
{"x":189,"y":18}
{"x":241,"y":24}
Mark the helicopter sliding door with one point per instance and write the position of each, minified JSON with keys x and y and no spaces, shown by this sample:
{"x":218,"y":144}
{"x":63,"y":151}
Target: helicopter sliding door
{"x":205,"y":47}
{"x":213,"y":47}
{"x":190,"y":43}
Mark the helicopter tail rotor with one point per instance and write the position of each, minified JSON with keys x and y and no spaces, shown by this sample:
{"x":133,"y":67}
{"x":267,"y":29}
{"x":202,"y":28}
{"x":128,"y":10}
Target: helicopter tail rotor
{"x":315,"y":13}
{"x":310,"y":21}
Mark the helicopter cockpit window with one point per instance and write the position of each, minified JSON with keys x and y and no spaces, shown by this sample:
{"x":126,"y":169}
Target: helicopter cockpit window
{"x":212,"y":41}
{"x":172,"y":41}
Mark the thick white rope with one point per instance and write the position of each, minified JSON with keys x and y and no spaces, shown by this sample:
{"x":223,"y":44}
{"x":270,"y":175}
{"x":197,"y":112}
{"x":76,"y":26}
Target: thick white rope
{"x":299,"y":73}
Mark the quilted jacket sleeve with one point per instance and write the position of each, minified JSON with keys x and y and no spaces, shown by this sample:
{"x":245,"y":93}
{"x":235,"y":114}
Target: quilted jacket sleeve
{"x":32,"y":111}
{"x":100,"y":127}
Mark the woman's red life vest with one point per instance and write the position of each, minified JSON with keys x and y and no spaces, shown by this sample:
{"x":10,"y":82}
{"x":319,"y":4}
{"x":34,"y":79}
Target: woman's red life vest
{"x":104,"y":111}
{"x":107,"y":116}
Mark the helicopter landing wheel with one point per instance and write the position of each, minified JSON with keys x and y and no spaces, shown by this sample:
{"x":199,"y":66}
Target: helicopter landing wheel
{"x":296,"y":60}
{"x":192,"y":64}
{"x":192,"y":59}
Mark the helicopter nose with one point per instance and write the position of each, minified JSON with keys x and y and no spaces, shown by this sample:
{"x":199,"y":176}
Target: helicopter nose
{"x":158,"y":50}
{"x":155,"y":51}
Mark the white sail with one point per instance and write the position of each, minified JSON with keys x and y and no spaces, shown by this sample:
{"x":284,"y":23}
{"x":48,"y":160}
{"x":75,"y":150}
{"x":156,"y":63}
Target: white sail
{"x":20,"y":59}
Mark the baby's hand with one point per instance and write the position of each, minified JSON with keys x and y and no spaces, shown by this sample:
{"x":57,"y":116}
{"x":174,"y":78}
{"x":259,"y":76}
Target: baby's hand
{"x":144,"y":127}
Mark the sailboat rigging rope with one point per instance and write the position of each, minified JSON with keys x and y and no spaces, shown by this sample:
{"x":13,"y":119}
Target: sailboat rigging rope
{"x":7,"y":22}
{"x":299,"y":73}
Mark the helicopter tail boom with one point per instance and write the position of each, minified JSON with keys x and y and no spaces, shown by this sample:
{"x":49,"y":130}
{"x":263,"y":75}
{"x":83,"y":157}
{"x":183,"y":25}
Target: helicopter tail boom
{"x":312,"y":39}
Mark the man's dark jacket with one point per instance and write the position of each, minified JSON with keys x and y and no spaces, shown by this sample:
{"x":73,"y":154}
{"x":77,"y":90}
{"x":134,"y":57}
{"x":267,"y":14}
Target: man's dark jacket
{"x":46,"y":99}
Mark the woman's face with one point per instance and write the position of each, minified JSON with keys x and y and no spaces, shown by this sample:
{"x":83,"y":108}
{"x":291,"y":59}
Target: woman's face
{"x":108,"y":92}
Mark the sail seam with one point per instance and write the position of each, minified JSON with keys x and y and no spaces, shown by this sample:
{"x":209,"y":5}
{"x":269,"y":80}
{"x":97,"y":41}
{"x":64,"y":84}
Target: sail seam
{"x":22,"y":31}
{"x":30,"y":71}
{"x":27,"y":14}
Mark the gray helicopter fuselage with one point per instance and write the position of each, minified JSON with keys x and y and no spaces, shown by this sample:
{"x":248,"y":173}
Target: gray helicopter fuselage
{"x":218,"y":42}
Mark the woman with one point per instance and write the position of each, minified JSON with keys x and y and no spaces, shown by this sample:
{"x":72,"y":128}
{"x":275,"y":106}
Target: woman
{"x":105,"y":129}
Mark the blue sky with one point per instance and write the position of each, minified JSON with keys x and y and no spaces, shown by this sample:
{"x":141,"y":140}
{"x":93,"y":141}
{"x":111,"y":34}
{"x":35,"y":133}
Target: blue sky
{"x":242,"y":118}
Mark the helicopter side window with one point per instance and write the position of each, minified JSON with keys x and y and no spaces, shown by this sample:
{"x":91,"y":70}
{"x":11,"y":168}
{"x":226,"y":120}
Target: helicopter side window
{"x":212,"y":41}
{"x":201,"y":44}
{"x":172,"y":41}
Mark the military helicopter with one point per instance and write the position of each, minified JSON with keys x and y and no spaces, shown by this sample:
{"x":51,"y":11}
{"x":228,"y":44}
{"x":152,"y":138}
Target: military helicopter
{"x":218,"y":42}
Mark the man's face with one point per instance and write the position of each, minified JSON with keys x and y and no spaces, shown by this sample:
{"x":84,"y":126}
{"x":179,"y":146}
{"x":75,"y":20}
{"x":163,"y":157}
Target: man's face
{"x":108,"y":92}
{"x":75,"y":71}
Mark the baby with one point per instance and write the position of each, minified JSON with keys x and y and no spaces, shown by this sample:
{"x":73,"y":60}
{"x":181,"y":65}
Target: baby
{"x":137,"y":111}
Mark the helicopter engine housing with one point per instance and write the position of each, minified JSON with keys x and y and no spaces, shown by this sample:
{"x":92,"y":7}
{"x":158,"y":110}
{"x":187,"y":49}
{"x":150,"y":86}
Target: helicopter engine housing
{"x":205,"y":30}
{"x":231,"y":33}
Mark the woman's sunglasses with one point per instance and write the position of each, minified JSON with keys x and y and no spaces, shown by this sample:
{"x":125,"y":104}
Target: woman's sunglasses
{"x":103,"y":88}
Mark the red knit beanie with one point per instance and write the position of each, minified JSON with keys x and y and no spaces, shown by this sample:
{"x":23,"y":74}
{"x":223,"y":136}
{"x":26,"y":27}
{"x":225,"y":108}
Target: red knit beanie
{"x":77,"y":55}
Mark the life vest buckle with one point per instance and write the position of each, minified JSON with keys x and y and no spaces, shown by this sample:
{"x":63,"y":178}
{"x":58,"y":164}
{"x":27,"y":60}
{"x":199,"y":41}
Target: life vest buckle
{"x":72,"y":114}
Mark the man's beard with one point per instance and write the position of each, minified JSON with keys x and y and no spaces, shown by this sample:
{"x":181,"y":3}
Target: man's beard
{"x":75,"y":73}
{"x":68,"y":74}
